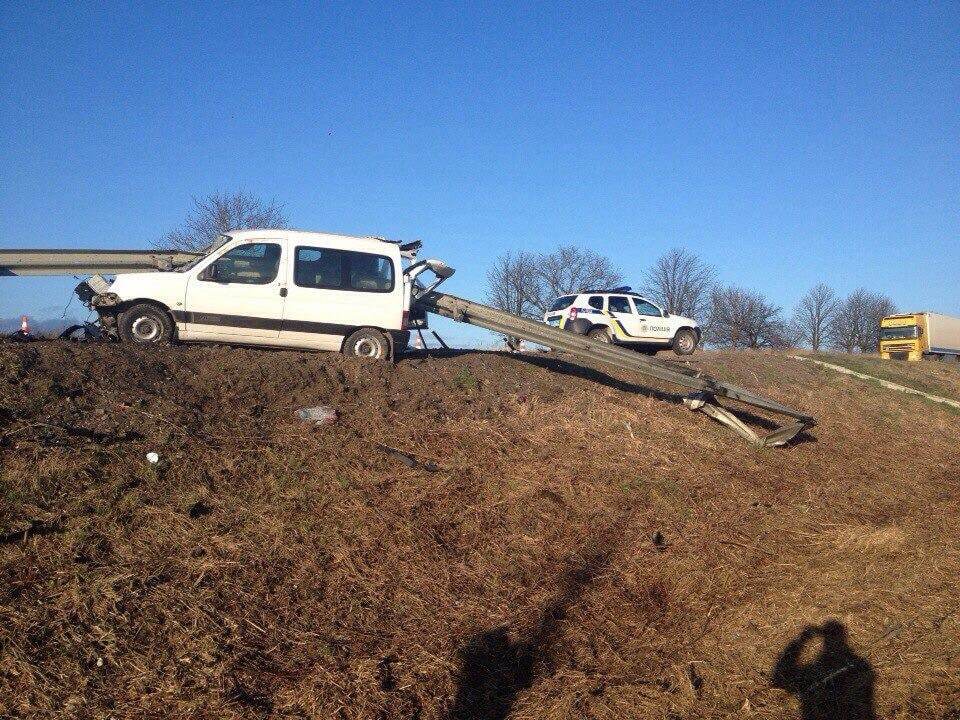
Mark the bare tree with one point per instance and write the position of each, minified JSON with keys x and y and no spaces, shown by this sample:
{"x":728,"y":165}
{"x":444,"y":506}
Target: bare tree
{"x":513,"y":284}
{"x":879,"y":307}
{"x":527,"y":283}
{"x":856,"y":323}
{"x":220,"y":213}
{"x":744,"y":318}
{"x":849,"y":321}
{"x":570,"y":269}
{"x":813,"y":315}
{"x":681,"y":282}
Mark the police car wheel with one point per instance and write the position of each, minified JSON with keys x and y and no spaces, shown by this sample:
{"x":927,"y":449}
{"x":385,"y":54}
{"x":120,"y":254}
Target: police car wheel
{"x":684,"y":342}
{"x":599,"y":334}
{"x":579,"y":326}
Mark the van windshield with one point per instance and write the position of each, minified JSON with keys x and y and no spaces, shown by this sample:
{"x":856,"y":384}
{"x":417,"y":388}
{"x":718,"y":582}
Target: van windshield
{"x":562,"y":302}
{"x":220,"y":241}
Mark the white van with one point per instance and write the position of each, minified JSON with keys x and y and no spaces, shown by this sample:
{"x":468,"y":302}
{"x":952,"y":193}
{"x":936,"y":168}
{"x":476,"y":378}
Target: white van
{"x":280,"y":288}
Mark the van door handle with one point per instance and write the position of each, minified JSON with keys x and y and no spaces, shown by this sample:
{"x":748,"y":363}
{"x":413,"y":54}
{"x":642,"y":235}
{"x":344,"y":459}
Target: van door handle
{"x":283,"y":292}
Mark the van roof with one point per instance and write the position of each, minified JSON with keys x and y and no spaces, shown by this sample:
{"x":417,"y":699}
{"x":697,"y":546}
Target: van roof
{"x":367,"y":242}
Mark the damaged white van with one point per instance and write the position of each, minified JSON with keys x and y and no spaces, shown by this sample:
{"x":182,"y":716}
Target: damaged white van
{"x":278,"y":288}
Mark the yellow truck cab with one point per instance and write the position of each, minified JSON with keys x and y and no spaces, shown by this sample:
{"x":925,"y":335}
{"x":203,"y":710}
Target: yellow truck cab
{"x":913,"y":336}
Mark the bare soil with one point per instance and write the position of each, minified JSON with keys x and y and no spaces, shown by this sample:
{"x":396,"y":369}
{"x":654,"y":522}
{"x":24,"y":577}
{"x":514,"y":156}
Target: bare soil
{"x":477,"y":536}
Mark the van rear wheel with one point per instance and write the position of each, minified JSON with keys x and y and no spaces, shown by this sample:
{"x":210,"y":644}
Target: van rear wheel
{"x":367,"y":342}
{"x":146,"y":324}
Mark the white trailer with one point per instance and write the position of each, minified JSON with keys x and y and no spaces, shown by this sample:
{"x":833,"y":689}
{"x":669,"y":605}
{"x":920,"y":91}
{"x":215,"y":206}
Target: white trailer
{"x":943,"y":334}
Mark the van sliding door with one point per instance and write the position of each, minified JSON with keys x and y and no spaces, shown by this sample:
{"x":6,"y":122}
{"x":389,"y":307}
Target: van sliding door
{"x":335,"y":291}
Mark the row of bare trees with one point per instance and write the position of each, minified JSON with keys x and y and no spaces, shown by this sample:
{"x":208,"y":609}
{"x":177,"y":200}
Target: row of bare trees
{"x":731,"y":316}
{"x":526,"y":283}
{"x":851,"y":323}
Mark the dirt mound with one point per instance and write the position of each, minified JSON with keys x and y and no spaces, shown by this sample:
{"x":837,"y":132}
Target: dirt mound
{"x":477,"y":536}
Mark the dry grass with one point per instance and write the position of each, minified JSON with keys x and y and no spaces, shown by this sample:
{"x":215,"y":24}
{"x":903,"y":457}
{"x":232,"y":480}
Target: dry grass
{"x":929,"y":376}
{"x":581,"y":550}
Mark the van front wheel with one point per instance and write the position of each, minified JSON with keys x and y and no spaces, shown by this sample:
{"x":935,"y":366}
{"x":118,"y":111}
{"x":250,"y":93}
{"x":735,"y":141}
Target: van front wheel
{"x":367,"y":342}
{"x":146,"y":324}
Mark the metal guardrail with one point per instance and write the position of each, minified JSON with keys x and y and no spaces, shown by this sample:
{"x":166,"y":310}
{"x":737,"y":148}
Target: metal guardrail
{"x":88,"y":262}
{"x":705,"y":388}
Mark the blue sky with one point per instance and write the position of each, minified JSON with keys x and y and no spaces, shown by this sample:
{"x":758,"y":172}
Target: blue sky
{"x":787,"y":144}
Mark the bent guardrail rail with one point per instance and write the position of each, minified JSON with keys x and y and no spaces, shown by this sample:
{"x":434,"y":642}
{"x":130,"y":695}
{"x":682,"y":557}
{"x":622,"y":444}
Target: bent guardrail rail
{"x":705,"y":389}
{"x":89,"y":262}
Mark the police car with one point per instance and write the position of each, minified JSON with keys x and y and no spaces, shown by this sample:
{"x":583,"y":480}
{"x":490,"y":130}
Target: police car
{"x":625,"y":318}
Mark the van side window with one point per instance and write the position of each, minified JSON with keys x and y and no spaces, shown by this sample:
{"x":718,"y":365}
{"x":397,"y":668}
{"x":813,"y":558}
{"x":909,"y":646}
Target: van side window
{"x":330,"y":269}
{"x":318,"y":268}
{"x":370,"y":273}
{"x":252,"y":264}
{"x":595,"y":301}
{"x":619,"y":304}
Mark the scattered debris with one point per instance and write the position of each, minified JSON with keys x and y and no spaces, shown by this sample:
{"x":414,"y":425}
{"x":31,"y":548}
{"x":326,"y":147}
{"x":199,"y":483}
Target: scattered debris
{"x":33,"y":527}
{"x":319,"y":415}
{"x":84,"y":332}
{"x":695,"y":679}
{"x":409,"y":460}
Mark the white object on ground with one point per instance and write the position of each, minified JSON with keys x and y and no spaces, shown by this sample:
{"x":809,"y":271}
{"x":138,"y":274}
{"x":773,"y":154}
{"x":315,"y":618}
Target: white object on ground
{"x":319,"y":415}
{"x":153,"y":458}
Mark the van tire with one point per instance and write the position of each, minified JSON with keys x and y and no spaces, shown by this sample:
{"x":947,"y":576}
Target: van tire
{"x":146,"y":324}
{"x":600,"y":334}
{"x":367,"y":342}
{"x":685,"y":341}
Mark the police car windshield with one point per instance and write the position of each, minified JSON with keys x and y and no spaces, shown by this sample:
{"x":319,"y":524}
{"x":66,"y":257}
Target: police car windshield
{"x":562,"y":302}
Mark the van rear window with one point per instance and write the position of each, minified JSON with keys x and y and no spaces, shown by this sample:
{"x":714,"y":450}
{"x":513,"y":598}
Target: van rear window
{"x":562,"y":302}
{"x":325,"y":268}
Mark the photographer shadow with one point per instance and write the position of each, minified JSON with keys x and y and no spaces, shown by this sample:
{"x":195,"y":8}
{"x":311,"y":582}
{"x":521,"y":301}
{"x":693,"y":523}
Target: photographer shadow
{"x":836,"y":685}
{"x":495,"y":666}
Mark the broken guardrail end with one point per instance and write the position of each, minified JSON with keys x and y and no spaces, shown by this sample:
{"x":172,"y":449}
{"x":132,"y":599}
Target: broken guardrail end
{"x":783,"y":435}
{"x":707,"y":404}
